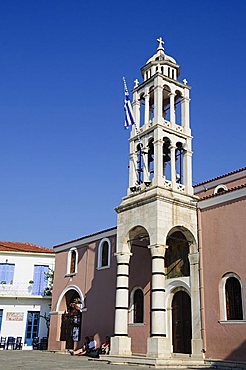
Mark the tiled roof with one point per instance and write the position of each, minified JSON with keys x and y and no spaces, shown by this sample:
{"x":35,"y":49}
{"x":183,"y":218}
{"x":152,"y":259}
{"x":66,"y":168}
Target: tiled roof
{"x":220,"y":177}
{"x":23,"y":247}
{"x":86,"y":236}
{"x":223,"y":192}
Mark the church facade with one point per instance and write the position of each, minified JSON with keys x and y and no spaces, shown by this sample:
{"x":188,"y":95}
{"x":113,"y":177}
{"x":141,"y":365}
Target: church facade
{"x":152,"y":283}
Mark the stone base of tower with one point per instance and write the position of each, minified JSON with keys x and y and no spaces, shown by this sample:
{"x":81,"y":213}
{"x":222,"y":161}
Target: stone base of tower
{"x":197,"y":348}
{"x":120,"y":346}
{"x":158,"y":347}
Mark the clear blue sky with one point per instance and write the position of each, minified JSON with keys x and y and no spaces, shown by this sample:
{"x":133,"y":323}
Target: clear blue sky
{"x":64,"y":152}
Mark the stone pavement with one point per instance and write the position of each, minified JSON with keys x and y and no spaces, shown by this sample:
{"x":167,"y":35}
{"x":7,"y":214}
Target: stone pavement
{"x":44,"y":360}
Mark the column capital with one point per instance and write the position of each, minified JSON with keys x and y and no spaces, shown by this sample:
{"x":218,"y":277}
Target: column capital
{"x":194,"y":258}
{"x":123,"y":257}
{"x":157,"y":250}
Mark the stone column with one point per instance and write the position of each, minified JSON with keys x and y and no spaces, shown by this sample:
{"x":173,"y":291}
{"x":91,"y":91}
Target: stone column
{"x":172,"y":109}
{"x":146,"y":112}
{"x":188,"y":172}
{"x":185,"y":110}
{"x":173,"y":166}
{"x":121,"y":343}
{"x":196,"y":342}
{"x":136,"y":112}
{"x":132,"y":170}
{"x":158,"y":162}
{"x":158,"y":91}
{"x":156,"y":341}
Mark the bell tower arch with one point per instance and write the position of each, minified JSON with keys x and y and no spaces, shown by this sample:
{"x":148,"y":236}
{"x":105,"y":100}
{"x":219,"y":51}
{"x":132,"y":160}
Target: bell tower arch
{"x":160,"y":198}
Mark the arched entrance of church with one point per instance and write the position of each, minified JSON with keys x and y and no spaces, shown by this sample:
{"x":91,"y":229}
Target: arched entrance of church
{"x":181,"y":322}
{"x":139,"y":289}
{"x":71,"y":318}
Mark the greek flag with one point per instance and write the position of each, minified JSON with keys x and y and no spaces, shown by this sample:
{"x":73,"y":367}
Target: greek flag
{"x":129,"y":118}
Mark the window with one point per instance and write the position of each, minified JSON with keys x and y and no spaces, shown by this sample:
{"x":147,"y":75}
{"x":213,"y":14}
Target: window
{"x":233,"y":299}
{"x":137,"y":306}
{"x":72,"y":261}
{"x":104,"y":253}
{"x":40,"y":278}
{"x":220,"y":189}
{"x":6,"y":273}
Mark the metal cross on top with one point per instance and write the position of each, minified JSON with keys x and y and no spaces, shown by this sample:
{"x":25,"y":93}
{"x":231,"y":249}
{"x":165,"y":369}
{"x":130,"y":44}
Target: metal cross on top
{"x":161,"y":43}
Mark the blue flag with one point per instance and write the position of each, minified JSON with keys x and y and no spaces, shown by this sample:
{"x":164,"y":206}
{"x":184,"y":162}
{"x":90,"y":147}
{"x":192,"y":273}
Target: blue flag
{"x":129,"y":118}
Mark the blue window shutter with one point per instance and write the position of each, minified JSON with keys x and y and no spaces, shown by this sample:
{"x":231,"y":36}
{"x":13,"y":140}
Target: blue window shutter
{"x":2,"y":272}
{"x":40,"y":280}
{"x":43,"y":280}
{"x":36,"y":279}
{"x":10,"y":273}
{"x":7,"y":272}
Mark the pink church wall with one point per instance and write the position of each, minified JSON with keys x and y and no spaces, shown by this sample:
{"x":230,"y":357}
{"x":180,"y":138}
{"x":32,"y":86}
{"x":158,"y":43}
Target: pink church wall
{"x":222,"y":246}
{"x":98,"y":289}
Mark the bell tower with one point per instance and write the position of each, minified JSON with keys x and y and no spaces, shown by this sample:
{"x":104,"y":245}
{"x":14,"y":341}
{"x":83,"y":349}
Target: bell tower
{"x":160,"y":203}
{"x":161,"y":110}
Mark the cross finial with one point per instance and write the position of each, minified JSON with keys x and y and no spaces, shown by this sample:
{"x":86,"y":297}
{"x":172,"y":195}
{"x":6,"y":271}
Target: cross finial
{"x":185,"y":81}
{"x":161,"y":43}
{"x":136,"y":83}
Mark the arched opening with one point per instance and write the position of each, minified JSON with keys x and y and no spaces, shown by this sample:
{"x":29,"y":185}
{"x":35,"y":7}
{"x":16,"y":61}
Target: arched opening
{"x":151,"y":104}
{"x":138,"y":306}
{"x":140,"y":164}
{"x":151,"y":159}
{"x":140,"y":286}
{"x":166,"y":102}
{"x":179,"y":157}
{"x":142,"y":109}
{"x":104,"y":253}
{"x":177,"y":105}
{"x":181,"y":323}
{"x":166,"y":159}
{"x":233,"y":296}
{"x":72,"y":262}
{"x":176,"y":258}
{"x":72,"y":304}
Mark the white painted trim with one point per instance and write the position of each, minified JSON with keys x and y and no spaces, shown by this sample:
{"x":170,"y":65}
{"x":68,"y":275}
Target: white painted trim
{"x":222,"y":198}
{"x":232,"y":322}
{"x":85,"y":240}
{"x":99,"y":254}
{"x":65,"y":290}
{"x":221,"y":186}
{"x":222,"y":297}
{"x":69,"y":273}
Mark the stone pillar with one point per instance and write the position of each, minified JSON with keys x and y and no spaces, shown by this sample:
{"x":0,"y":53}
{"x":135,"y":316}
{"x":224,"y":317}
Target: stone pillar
{"x":121,"y":343}
{"x":172,"y":109}
{"x":185,"y":109}
{"x":132,"y":170}
{"x":158,"y":91}
{"x":173,"y":166}
{"x":196,"y":342}
{"x":188,"y":172}
{"x":146,"y":112}
{"x":158,"y":162}
{"x":136,"y":112}
{"x":157,"y":339}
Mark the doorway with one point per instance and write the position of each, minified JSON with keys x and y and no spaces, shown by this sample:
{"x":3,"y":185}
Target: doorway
{"x":32,"y":326}
{"x":181,"y":323}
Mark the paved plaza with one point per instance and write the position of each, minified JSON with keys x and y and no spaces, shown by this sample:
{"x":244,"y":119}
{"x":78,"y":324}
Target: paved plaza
{"x":44,"y":360}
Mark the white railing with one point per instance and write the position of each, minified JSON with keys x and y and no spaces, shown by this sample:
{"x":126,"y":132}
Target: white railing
{"x":18,"y":289}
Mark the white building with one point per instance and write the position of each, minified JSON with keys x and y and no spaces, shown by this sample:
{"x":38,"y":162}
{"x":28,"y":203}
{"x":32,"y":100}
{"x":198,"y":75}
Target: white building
{"x":25,"y":295}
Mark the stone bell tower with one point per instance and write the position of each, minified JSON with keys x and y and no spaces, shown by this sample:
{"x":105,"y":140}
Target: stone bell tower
{"x":159,"y":201}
